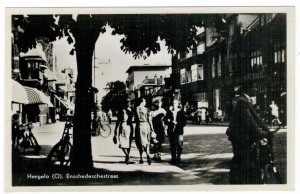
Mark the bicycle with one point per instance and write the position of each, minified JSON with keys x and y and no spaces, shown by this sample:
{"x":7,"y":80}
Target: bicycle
{"x":269,"y":169}
{"x":60,"y":154}
{"x":98,"y":128}
{"x":26,"y":139}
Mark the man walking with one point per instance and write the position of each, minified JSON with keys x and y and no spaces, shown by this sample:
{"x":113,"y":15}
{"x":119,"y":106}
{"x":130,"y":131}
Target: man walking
{"x":175,"y":120}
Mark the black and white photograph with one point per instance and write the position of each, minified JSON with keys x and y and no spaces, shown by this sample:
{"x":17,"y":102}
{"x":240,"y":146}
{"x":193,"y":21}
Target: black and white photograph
{"x":150,"y":97}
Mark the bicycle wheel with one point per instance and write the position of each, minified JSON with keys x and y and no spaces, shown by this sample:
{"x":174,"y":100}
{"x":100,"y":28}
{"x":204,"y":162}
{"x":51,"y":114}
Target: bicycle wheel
{"x":272,"y":175}
{"x":59,"y":154}
{"x":105,"y":130}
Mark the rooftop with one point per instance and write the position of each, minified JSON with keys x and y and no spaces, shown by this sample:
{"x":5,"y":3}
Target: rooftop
{"x":147,"y":68}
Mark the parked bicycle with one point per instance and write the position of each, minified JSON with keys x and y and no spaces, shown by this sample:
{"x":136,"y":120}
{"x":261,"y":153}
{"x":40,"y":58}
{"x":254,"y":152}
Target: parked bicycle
{"x":270,"y":173}
{"x":61,"y":152}
{"x":26,"y":139}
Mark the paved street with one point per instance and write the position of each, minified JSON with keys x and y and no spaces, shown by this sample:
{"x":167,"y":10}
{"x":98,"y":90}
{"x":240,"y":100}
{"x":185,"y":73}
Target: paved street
{"x":205,"y":159}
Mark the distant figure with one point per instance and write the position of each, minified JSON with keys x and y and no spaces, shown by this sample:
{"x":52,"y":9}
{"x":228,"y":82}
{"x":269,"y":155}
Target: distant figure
{"x":219,"y":115}
{"x":274,"y":111}
{"x":103,"y":116}
{"x":203,"y":115}
{"x":15,"y":129}
{"x":175,"y":120}
{"x":109,"y":116}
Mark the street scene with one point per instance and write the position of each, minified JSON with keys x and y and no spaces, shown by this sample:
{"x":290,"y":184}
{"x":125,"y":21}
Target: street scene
{"x":149,"y":99}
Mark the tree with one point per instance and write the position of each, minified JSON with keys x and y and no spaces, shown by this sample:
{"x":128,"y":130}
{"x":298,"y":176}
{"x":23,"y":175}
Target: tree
{"x":141,"y":33}
{"x":116,"y":93}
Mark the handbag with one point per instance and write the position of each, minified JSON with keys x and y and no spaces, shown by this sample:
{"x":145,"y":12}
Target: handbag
{"x":115,"y":139}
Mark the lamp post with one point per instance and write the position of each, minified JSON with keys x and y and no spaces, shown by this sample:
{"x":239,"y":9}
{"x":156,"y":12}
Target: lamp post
{"x":95,"y":100}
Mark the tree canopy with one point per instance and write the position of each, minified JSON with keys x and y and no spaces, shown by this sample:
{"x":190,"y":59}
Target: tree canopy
{"x":141,"y":31}
{"x":115,"y":97}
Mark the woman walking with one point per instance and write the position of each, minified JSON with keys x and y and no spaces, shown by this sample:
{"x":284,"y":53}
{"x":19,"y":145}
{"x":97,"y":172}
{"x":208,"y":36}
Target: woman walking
{"x":144,"y":130}
{"x":123,"y":132}
{"x":158,"y":126}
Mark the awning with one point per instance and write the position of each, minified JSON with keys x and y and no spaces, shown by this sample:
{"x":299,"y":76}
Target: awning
{"x":62,"y":101}
{"x":37,"y":97}
{"x":19,"y":94}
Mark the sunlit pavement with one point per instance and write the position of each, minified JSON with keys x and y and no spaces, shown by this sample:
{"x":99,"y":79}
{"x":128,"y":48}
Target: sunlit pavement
{"x":205,"y":159}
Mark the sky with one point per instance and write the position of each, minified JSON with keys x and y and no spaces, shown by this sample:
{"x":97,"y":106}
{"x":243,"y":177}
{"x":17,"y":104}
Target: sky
{"x":111,"y":62}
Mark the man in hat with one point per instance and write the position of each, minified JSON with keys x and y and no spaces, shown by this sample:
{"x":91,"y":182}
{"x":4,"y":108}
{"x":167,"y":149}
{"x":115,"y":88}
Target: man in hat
{"x":245,"y":129}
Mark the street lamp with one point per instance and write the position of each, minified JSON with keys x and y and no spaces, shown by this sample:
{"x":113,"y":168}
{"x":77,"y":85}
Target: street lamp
{"x":95,"y":100}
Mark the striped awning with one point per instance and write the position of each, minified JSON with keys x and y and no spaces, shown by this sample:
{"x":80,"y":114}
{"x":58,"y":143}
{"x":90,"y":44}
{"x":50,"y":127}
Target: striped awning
{"x":19,"y":94}
{"x":37,"y":97}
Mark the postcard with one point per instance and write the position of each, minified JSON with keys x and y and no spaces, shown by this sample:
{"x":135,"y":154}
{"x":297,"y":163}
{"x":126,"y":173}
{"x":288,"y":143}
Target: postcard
{"x":145,"y":99}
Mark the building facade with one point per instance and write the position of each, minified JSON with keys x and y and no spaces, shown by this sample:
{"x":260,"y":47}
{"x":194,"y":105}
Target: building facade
{"x":145,"y":80}
{"x":252,"y":49}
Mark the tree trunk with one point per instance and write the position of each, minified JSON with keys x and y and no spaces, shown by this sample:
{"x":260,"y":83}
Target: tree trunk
{"x":81,"y":158}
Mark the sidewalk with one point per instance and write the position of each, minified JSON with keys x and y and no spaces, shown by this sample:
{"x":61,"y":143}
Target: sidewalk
{"x":205,"y":160}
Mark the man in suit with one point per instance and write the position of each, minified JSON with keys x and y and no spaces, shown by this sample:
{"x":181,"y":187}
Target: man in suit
{"x":245,"y":129}
{"x":175,"y":120}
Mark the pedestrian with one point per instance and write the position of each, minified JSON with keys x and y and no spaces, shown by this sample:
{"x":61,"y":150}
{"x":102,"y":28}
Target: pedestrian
{"x":175,"y":120}
{"x":157,"y":116}
{"x":245,"y":129}
{"x":275,"y":112}
{"x":15,"y":129}
{"x":123,"y":131}
{"x":144,"y":130}
{"x":103,"y":116}
{"x":203,"y":115}
{"x":109,"y":116}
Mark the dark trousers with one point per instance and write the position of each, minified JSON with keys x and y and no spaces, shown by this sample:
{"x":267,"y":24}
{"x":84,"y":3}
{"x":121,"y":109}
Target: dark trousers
{"x":175,"y":146}
{"x":244,"y":167}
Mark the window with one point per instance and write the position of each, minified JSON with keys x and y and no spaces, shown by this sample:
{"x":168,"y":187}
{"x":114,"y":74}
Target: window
{"x":200,"y":73}
{"x":194,"y":69}
{"x":188,"y":75}
{"x":189,"y":54}
{"x":213,"y":67}
{"x":266,"y":18}
{"x":279,"y":53}
{"x":182,"y":76}
{"x":33,"y":70}
{"x":219,"y":71}
{"x":256,"y":60}
{"x":201,"y":48}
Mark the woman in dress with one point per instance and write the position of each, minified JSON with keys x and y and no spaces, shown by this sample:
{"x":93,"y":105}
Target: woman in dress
{"x":158,"y":126}
{"x":123,"y":132}
{"x":144,"y":128}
